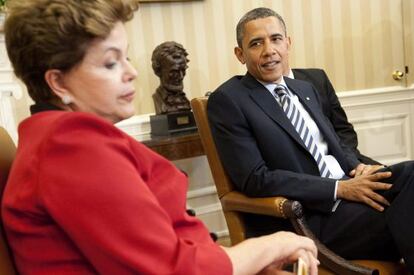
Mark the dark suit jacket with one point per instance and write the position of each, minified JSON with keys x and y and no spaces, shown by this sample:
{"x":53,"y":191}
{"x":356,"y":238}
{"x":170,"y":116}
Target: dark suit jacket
{"x":264,"y":156}
{"x":260,"y":149}
{"x":332,"y":109}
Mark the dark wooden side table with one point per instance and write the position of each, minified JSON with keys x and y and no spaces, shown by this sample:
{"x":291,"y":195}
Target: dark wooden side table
{"x":174,"y":147}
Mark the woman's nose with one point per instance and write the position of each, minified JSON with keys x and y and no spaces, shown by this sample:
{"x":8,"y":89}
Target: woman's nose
{"x":131,"y":72}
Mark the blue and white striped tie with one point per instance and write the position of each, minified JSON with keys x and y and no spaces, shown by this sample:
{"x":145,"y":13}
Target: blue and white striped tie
{"x":298,"y":123}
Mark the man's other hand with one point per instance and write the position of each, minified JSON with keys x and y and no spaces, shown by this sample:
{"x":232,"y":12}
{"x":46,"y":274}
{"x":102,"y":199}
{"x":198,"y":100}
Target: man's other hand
{"x":365,"y":169}
{"x":362,"y":189}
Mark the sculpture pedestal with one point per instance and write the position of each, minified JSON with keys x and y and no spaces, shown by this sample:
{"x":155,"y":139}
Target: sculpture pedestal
{"x":168,"y":124}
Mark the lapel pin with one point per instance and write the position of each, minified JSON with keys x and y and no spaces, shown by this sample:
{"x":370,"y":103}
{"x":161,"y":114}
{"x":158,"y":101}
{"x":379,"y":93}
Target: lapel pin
{"x":307,"y":98}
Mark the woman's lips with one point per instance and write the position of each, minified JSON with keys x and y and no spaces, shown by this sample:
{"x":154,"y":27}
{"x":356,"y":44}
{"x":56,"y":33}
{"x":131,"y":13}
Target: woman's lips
{"x":128,"y":96}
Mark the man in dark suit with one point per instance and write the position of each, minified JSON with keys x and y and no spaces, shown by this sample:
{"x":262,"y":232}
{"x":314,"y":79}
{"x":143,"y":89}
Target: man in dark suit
{"x":331,"y":107}
{"x":273,"y":139}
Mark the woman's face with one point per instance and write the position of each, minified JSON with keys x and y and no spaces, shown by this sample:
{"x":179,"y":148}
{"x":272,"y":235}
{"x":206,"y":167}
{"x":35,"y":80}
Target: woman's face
{"x":102,"y":82}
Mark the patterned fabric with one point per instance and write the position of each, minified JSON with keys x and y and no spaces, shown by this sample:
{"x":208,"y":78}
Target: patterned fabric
{"x":298,"y":123}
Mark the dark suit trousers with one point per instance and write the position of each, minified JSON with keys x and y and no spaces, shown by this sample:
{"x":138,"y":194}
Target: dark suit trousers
{"x":357,"y":231}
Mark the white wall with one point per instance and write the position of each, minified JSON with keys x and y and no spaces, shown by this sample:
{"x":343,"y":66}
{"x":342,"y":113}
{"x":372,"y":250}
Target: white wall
{"x":9,"y":91}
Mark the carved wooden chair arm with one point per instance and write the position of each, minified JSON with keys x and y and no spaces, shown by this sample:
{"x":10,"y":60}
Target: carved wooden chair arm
{"x":327,"y":257}
{"x":288,"y":209}
{"x":271,"y":206}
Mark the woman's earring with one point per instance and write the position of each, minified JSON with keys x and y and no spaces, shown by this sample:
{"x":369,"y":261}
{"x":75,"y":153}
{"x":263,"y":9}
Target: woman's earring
{"x":66,"y":99}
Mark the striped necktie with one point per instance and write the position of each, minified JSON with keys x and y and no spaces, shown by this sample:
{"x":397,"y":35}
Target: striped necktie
{"x":298,"y":123}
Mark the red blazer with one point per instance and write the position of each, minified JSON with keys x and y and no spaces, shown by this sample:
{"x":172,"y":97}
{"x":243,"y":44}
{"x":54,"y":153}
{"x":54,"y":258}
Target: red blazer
{"x":84,"y":198}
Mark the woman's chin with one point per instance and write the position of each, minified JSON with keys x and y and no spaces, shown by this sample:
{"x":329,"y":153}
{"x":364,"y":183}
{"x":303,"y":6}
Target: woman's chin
{"x":127,"y":114}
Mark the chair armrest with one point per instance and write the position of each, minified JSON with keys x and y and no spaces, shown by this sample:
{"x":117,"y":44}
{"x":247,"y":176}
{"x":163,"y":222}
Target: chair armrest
{"x":284,"y":208}
{"x":327,"y":257}
{"x":271,"y":206}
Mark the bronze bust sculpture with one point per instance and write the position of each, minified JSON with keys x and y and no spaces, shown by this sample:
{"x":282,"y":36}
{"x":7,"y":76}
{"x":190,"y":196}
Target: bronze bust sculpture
{"x":169,"y":62}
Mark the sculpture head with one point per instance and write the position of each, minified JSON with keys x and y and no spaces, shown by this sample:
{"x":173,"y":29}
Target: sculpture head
{"x":169,"y":62}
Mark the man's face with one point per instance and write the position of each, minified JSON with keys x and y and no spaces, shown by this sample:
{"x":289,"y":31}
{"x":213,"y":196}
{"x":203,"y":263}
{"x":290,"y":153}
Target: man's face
{"x":265,"y":49}
{"x":172,"y":73}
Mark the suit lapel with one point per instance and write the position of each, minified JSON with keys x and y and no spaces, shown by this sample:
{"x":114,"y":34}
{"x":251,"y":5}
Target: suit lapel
{"x":263,"y":98}
{"x":310,"y":103}
{"x":308,"y":99}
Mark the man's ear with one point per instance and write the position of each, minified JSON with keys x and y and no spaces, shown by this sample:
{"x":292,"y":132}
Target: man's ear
{"x":289,"y":42}
{"x":54,"y":78}
{"x":239,"y":54}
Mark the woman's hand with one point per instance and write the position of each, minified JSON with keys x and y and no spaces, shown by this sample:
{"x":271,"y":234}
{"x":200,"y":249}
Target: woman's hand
{"x":295,"y":247}
{"x":269,"y":254}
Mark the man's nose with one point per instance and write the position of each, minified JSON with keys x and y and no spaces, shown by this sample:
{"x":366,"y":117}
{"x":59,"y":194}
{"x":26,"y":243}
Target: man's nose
{"x":268,"y":48}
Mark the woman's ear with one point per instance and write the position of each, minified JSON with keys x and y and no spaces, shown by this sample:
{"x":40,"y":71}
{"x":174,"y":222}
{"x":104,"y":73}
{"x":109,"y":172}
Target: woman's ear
{"x":54,"y":78}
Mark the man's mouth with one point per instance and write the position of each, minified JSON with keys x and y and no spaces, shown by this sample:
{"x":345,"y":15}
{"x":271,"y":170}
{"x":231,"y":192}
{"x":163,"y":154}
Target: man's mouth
{"x":270,"y":65}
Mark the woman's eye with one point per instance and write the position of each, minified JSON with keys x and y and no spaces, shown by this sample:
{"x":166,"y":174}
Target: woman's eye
{"x":110,"y":65}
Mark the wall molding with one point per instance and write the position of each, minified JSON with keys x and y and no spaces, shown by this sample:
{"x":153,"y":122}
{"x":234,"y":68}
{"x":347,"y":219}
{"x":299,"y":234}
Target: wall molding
{"x":202,"y":192}
{"x":10,"y":90}
{"x":375,"y":96}
{"x":136,"y":126}
{"x":8,"y":93}
{"x":208,"y":209}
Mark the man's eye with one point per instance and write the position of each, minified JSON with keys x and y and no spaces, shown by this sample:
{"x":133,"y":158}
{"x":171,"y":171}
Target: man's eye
{"x":110,"y":65}
{"x":255,"y":44}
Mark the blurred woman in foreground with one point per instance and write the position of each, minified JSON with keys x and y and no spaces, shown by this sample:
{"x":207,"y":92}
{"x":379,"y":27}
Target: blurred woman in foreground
{"x":83,"y":197}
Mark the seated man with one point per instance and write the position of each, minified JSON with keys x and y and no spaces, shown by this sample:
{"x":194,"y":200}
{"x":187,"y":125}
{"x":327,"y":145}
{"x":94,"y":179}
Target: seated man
{"x":274,"y":140}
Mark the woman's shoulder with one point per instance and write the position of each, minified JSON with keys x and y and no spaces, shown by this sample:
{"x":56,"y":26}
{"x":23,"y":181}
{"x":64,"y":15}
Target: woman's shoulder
{"x":74,"y":125}
{"x":69,"y":120}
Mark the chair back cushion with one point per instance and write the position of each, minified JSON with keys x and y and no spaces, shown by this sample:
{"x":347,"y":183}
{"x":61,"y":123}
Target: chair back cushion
{"x":221,"y":179}
{"x":7,"y":153}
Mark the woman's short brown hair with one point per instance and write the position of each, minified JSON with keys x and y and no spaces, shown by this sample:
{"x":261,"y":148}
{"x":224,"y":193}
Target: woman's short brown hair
{"x":55,"y":34}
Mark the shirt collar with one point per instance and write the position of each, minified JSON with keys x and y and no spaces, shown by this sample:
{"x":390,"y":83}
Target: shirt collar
{"x":271,"y":86}
{"x":290,"y":75}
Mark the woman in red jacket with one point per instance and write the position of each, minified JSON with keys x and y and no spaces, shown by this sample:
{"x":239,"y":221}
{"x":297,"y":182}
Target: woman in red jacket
{"x":84,"y":197}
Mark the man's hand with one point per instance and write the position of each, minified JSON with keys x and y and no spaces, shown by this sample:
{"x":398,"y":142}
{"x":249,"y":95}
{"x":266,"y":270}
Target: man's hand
{"x":365,"y":169}
{"x":362,"y":189}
